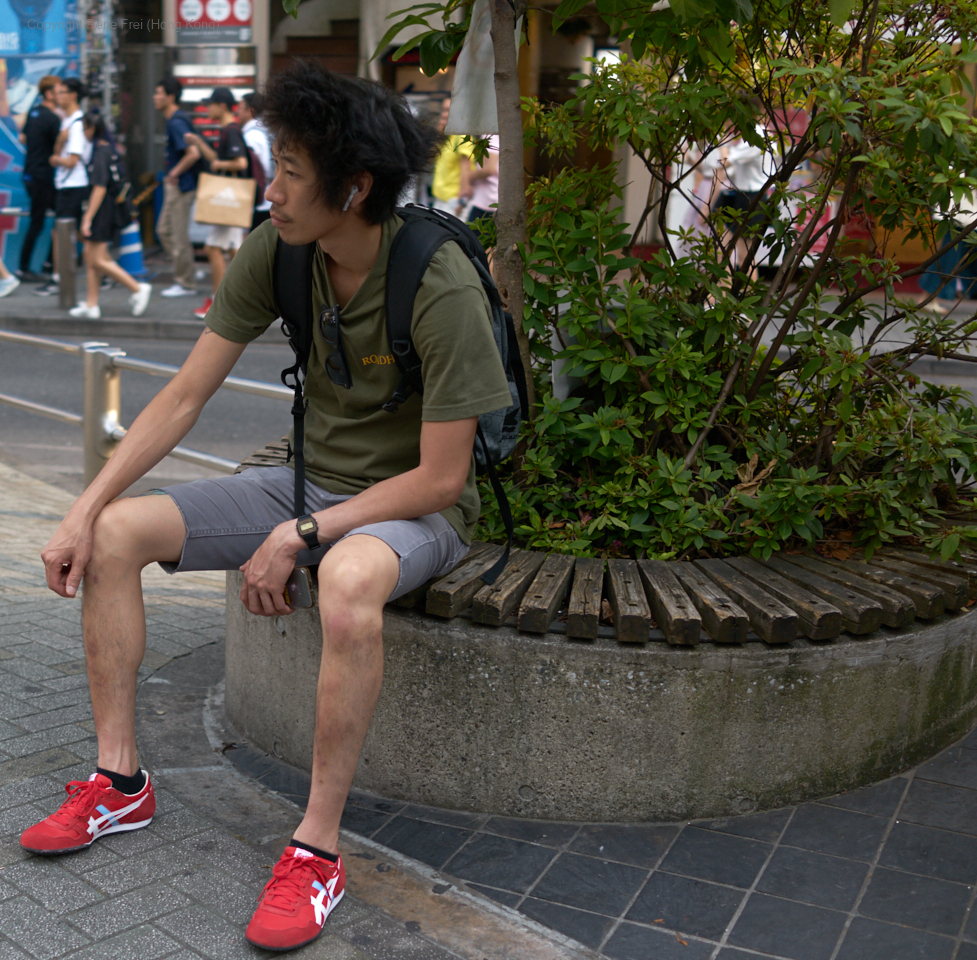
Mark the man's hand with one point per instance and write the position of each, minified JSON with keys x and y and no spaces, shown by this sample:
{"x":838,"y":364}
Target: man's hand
{"x":267,"y":572}
{"x":66,"y":556}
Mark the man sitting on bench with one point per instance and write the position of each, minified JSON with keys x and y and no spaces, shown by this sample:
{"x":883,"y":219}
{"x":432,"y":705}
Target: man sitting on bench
{"x":392,"y":500}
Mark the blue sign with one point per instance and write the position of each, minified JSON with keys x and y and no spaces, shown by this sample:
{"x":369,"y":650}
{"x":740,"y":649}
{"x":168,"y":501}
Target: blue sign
{"x":37,"y":37}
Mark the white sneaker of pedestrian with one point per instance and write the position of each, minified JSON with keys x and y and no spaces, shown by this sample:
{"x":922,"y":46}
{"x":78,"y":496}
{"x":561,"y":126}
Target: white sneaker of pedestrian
{"x":140,"y":299}
{"x":8,"y":285}
{"x":178,"y":291}
{"x":85,"y":311}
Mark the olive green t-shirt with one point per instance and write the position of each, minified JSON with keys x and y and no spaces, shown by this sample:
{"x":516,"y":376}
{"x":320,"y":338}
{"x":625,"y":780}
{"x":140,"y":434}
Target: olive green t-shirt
{"x":350,"y":442}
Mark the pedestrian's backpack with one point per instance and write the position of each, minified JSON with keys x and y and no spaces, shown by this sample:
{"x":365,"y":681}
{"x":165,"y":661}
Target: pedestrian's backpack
{"x":256,"y":171}
{"x":123,"y":211}
{"x":422,"y":234}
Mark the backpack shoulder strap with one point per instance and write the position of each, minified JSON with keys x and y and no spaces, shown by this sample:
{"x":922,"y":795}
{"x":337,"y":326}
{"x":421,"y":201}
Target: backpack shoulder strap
{"x":292,"y":289}
{"x":410,"y":255}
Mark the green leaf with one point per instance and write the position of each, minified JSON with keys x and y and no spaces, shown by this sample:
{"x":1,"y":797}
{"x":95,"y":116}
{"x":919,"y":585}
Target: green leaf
{"x":291,"y":7}
{"x":567,"y":9}
{"x":950,"y":546}
{"x":840,"y":11}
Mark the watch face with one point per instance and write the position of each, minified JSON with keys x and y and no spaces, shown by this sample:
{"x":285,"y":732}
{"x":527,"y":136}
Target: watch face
{"x":307,"y":526}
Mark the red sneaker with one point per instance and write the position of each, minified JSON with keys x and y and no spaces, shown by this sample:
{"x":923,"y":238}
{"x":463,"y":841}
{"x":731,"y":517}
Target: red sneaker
{"x":201,"y":311}
{"x":303,"y":890}
{"x":93,"y":808}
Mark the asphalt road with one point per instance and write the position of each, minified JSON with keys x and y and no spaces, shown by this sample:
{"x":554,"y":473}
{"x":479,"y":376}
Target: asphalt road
{"x":232,"y":425}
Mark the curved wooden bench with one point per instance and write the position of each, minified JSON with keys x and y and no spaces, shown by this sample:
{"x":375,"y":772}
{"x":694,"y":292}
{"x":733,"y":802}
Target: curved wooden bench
{"x":727,"y":601}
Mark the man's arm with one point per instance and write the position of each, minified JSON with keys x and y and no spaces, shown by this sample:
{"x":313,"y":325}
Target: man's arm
{"x":69,"y":161}
{"x":435,"y":484}
{"x":198,"y":143}
{"x":190,"y":156}
{"x":164,"y":422}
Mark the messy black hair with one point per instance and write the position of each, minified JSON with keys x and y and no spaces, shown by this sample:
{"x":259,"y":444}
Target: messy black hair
{"x":172,"y":88}
{"x":349,"y":126}
{"x":96,"y":123}
{"x":74,"y":85}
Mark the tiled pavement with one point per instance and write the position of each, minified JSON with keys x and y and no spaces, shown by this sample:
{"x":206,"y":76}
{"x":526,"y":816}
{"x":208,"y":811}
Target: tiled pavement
{"x":185,"y":886}
{"x":885,"y":873}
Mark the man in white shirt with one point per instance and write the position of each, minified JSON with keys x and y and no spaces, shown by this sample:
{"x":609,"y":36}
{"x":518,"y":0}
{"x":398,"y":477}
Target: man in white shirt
{"x":256,"y":137}
{"x":70,"y":172}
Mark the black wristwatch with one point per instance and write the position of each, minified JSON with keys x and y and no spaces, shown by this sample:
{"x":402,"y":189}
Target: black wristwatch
{"x":309,"y":531}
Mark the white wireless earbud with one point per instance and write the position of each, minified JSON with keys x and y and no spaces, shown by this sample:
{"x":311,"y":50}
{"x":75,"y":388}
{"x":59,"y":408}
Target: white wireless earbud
{"x":352,"y":193}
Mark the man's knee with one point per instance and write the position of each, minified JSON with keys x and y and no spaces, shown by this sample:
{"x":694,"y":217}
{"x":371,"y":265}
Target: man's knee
{"x":355,"y":580}
{"x":138,"y":531}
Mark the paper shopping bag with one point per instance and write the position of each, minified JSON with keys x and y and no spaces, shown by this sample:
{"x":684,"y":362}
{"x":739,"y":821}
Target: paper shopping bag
{"x":225,"y":201}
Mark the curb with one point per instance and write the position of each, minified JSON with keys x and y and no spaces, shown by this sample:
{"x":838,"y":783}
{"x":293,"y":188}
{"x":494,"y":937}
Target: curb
{"x":180,"y":720}
{"x":107,"y":328}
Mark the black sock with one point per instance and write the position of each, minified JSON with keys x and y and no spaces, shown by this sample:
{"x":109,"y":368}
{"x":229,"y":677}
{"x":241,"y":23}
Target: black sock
{"x":331,"y":857}
{"x":128,"y":785}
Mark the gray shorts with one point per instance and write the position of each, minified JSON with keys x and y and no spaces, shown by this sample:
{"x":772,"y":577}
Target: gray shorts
{"x":228,"y":518}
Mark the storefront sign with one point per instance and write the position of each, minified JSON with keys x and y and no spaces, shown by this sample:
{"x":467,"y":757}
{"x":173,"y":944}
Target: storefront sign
{"x":214,"y":21}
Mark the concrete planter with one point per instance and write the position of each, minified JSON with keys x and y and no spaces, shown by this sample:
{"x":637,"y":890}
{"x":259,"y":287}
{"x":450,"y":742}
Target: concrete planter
{"x":491,"y":720}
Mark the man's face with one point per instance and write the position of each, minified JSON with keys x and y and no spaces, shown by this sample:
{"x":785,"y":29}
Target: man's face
{"x":243,"y":113}
{"x":215,"y":111}
{"x":64,"y":97}
{"x":296,"y":213}
{"x":161,"y":99}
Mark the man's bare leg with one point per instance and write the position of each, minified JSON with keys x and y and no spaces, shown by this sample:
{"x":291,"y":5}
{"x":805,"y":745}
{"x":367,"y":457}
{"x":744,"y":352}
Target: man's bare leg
{"x":128,"y":535}
{"x":355,"y":579}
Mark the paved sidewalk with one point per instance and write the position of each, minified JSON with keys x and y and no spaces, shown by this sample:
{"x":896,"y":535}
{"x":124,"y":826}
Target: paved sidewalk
{"x":885,"y":873}
{"x":186,"y":885}
{"x":165,"y":318}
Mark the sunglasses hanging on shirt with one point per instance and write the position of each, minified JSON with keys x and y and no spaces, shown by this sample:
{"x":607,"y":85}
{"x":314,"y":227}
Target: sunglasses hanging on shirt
{"x":337,"y":367}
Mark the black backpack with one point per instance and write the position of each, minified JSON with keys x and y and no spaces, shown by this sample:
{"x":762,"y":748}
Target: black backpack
{"x":423,"y":233}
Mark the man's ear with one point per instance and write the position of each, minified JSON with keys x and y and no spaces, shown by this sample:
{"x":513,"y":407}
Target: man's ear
{"x":363,"y":183}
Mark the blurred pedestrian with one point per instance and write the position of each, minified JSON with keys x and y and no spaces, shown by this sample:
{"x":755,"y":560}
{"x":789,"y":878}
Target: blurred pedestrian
{"x":480,"y":181}
{"x":71,"y":154}
{"x":183,"y":166}
{"x":99,"y":224}
{"x":230,"y":157}
{"x":446,"y":181}
{"x":39,"y":136}
{"x":258,"y":140}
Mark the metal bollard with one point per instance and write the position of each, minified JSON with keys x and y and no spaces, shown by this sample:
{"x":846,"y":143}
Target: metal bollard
{"x":101,"y":404}
{"x":67,"y":254}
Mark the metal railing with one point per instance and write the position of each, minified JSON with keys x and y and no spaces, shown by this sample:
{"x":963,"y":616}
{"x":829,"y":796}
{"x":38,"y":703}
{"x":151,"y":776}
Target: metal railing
{"x":102,"y":367}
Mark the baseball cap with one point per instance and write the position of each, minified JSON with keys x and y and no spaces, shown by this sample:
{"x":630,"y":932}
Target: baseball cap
{"x":221,"y":95}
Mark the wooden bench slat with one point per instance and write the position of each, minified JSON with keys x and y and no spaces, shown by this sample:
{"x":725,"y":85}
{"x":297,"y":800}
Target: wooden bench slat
{"x":956,"y":589}
{"x":451,"y":594}
{"x":816,"y":618}
{"x":771,"y":620}
{"x":583,"y":611}
{"x":546,"y":593}
{"x":674,"y":612}
{"x":927,"y":599}
{"x":632,"y":615}
{"x":966,"y":570}
{"x":859,"y":614}
{"x":495,"y":601}
{"x":722,"y":619}
{"x":897,"y":609}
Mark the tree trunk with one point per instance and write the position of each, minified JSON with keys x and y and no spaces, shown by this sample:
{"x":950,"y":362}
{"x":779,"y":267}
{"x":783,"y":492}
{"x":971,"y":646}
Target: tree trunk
{"x":510,"y":216}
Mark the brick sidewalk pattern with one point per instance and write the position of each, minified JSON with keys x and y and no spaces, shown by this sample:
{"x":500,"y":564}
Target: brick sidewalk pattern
{"x":183,"y":887}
